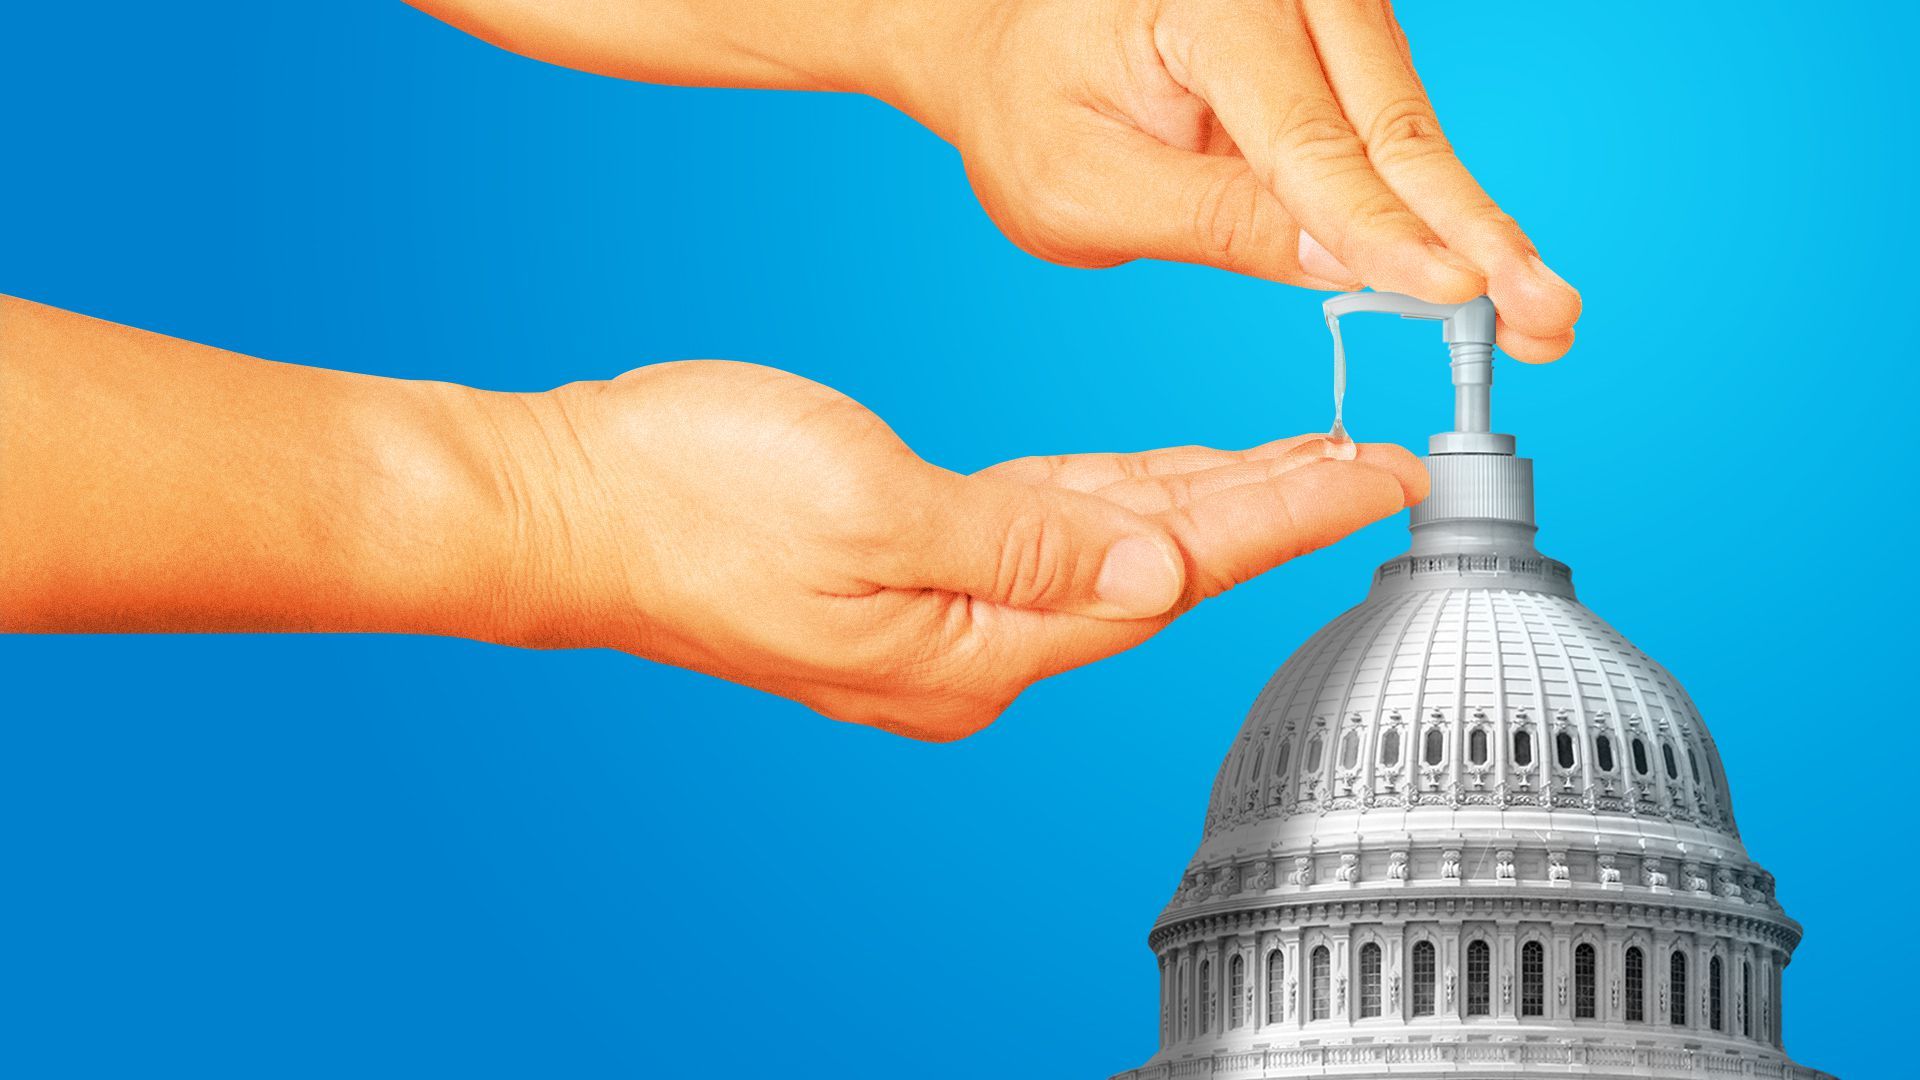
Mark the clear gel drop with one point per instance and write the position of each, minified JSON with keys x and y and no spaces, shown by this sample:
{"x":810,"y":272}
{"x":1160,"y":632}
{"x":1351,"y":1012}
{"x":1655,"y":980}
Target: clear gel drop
{"x":1339,"y":444}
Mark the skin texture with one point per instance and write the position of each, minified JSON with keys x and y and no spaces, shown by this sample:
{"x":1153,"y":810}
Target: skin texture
{"x":1288,"y":140}
{"x":725,"y":517}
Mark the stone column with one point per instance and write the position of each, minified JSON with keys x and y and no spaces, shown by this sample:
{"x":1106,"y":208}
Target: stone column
{"x":1506,"y":972}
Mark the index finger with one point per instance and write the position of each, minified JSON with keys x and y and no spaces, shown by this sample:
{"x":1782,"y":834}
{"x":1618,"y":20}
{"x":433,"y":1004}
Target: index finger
{"x":1362,"y":54}
{"x":1254,"y":65}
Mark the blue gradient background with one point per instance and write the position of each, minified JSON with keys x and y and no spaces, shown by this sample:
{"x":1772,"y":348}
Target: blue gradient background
{"x":333,"y":856}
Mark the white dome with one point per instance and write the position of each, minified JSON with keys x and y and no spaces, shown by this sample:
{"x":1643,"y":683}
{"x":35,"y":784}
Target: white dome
{"x":1467,"y":829}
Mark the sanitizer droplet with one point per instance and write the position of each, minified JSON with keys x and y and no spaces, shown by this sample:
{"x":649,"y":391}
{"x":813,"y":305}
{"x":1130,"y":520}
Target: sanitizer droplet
{"x":1339,"y":444}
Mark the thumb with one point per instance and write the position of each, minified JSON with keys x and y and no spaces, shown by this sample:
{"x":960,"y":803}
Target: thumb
{"x":1039,"y":547}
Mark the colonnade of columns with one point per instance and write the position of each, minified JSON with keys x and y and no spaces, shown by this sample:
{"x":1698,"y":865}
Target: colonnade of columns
{"x":1267,"y":982}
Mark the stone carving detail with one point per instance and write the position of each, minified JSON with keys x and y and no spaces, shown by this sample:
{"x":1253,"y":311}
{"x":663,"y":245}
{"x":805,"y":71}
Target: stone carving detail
{"x":1613,"y":995}
{"x":1293,"y":997}
{"x":1450,"y":982}
{"x":1503,"y":866}
{"x":1506,"y":989}
{"x":1340,"y":994}
{"x":1397,"y":866}
{"x":1393,"y":992}
{"x":1557,"y":867}
{"x":1302,"y":870}
{"x":1656,"y":878}
{"x":1691,"y":876}
{"x":1228,"y":883}
{"x":1450,"y":865}
{"x":1263,"y":874}
{"x":1349,"y":871}
{"x":1729,"y":888}
{"x":1561,"y":992}
{"x":1609,"y":873}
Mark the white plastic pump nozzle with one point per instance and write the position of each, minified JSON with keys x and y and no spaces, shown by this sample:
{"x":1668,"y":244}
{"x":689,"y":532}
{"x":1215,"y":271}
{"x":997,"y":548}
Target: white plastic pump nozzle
{"x":1481,"y":504}
{"x":1468,"y":331}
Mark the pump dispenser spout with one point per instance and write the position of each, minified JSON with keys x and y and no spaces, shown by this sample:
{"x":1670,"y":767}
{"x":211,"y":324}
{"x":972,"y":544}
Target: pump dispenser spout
{"x":1468,"y":331}
{"x":1478,"y":518}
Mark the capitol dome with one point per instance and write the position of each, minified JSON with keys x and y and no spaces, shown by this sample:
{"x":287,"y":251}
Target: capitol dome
{"x":1468,"y":828}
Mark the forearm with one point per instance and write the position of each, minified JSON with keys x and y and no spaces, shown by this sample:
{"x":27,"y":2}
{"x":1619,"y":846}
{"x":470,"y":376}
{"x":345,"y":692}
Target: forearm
{"x":153,"y":484}
{"x":850,"y":45}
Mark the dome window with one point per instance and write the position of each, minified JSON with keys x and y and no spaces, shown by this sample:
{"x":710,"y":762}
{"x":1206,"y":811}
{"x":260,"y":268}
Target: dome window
{"x":1317,"y":982}
{"x":1314,"y":749}
{"x":1236,"y":991}
{"x":1436,"y":751}
{"x":1369,"y":980}
{"x":1677,"y":989}
{"x":1533,"y":979}
{"x":1390,"y":747}
{"x":1523,"y":747}
{"x":1280,"y":762}
{"x":1746,"y":998}
{"x":1639,"y":757}
{"x":1714,"y":1016}
{"x":1603,"y":753}
{"x":1423,"y":978}
{"x":1477,"y":746}
{"x":1693,"y":763}
{"x":1636,"y":985}
{"x":1206,"y":996}
{"x":1276,"y":986}
{"x":1673,"y":768}
{"x":1563,"y":749}
{"x":1350,"y":750}
{"x":1584,"y":996}
{"x":1479,"y":979}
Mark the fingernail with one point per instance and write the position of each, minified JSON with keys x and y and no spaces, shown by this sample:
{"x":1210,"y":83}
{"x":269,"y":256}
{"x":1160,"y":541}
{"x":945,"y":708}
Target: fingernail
{"x":1138,"y":578}
{"x":1545,"y":274}
{"x":1452,"y":258}
{"x":1315,"y":259}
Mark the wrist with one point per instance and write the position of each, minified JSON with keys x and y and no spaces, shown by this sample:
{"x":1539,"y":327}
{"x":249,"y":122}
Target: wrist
{"x":536,"y":558}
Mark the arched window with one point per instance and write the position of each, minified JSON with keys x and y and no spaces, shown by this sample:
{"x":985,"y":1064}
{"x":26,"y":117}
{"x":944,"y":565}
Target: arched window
{"x":1369,"y":979}
{"x":1693,"y":763}
{"x":1636,"y":985}
{"x":1317,"y":990}
{"x":1673,"y":770}
{"x":1677,"y":989}
{"x":1313,"y":753}
{"x":1640,"y":757}
{"x":1350,"y":749}
{"x":1259,"y":755}
{"x":1479,"y":979}
{"x":1583,"y":982}
{"x":1236,"y":991}
{"x":1423,"y":978}
{"x":1276,"y":986}
{"x":1714,"y":1016}
{"x":1563,"y":749}
{"x":1746,"y":998}
{"x":1477,"y":746}
{"x":1280,"y":760}
{"x":1522,"y":747}
{"x":1390,"y":747}
{"x":1533,"y":979}
{"x":1603,"y":753}
{"x":1206,"y":996}
{"x":1436,"y":746}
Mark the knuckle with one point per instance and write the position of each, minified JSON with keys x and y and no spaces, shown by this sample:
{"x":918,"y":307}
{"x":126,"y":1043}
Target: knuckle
{"x":1031,"y":560}
{"x":1404,"y":131}
{"x":1314,"y":129}
{"x":1225,"y":216}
